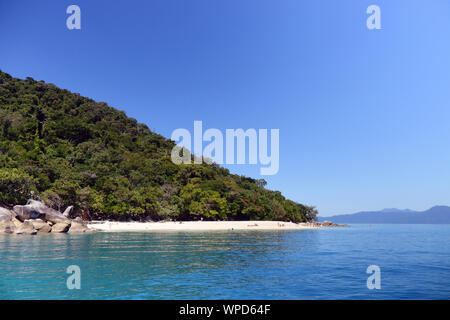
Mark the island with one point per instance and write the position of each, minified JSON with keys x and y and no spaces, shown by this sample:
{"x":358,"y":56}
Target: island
{"x":60,"y":151}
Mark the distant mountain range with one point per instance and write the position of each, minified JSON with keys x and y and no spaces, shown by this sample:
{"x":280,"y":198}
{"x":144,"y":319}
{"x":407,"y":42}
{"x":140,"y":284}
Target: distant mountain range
{"x":435,"y":215}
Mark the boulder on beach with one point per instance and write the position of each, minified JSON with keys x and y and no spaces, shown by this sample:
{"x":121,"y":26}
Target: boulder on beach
{"x":60,"y":227}
{"x":38,"y":210}
{"x":40,"y":225}
{"x":6,"y":225}
{"x":36,"y":217}
{"x":5,"y":215}
{"x":27,"y":212}
{"x":77,"y":227}
{"x":25,"y":228}
{"x":68,"y":211}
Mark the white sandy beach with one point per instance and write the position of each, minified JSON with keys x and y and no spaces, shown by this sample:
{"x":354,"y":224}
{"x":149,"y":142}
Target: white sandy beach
{"x":198,"y":226}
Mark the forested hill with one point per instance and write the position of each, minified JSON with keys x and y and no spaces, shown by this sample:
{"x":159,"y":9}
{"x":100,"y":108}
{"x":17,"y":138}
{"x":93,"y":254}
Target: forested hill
{"x":70,"y":150}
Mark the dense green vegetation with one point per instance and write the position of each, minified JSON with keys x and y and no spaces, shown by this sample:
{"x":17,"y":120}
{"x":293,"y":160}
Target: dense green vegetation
{"x":70,"y":150}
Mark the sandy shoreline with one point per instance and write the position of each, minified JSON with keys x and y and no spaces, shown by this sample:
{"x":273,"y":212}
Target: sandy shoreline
{"x":198,"y":226}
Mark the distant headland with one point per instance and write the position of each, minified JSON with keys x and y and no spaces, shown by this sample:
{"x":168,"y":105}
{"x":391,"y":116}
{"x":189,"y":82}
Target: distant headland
{"x":435,"y":215}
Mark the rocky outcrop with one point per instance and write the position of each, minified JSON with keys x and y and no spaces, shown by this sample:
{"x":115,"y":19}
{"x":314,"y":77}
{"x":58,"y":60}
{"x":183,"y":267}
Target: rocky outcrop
{"x":6,"y":224}
{"x":36,"y":217}
{"x":79,"y":226}
{"x":7,"y":227}
{"x":27,"y":212}
{"x":331,"y":224}
{"x":38,"y":210}
{"x":68,"y":212}
{"x":25,"y":228}
{"x":41,"y":226}
{"x":5,"y":215}
{"x":60,"y":227}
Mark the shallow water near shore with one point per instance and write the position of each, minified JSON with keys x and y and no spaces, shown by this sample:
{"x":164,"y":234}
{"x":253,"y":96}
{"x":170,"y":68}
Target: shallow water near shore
{"x":298,"y":264}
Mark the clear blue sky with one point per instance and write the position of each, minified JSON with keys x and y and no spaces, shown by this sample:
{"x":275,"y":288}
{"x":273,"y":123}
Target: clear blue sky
{"x":364,"y":115}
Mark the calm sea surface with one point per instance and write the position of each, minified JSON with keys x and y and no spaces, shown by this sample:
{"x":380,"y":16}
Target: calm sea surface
{"x":306,"y":264}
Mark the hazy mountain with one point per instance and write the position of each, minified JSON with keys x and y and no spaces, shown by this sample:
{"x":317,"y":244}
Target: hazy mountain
{"x":435,"y":215}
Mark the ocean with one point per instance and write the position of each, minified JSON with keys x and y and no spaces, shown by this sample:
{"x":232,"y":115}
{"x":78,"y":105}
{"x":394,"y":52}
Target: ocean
{"x":414,"y":263}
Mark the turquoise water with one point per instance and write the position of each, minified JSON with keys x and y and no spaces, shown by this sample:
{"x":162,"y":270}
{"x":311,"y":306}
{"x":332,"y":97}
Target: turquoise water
{"x":304,"y":264}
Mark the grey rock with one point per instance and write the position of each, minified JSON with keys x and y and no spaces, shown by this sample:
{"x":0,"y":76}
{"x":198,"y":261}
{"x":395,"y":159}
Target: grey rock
{"x":7,"y":227}
{"x":60,"y":227}
{"x":17,"y":223}
{"x":5,"y":214}
{"x":6,"y":224}
{"x":79,"y":220}
{"x":56,"y":217}
{"x":40,"y":225}
{"x":68,"y":211}
{"x":25,"y":228}
{"x":38,"y":210}
{"x":77,"y":227}
{"x":27,"y":212}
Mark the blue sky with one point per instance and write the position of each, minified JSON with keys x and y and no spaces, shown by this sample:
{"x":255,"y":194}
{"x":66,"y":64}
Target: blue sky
{"x":363,"y":114}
